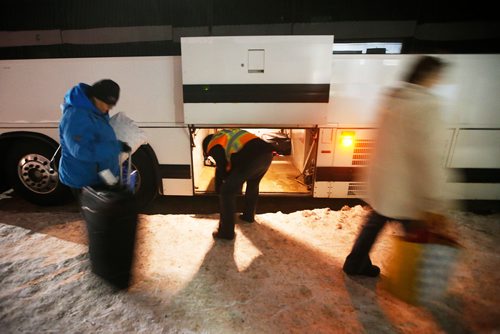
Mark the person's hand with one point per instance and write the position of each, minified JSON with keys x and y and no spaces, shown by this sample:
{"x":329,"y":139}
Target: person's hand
{"x":124,"y":147}
{"x":440,"y":224}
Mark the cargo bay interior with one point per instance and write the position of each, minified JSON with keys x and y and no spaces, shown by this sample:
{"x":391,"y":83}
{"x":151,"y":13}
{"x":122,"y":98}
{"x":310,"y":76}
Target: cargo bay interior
{"x":290,"y":171}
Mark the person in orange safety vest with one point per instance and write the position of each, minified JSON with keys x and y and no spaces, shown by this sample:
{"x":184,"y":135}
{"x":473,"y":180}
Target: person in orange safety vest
{"x":240,"y":157}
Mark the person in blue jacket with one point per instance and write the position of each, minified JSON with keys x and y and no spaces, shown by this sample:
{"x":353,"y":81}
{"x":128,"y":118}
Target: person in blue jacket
{"x":88,"y":142}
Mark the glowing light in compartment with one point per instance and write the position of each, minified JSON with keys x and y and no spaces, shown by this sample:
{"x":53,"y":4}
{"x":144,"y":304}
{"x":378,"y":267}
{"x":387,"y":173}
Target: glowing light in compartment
{"x":347,"y":138}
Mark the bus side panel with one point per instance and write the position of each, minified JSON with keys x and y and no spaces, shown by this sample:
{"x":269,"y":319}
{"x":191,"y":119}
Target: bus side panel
{"x":151,"y":89}
{"x":357,"y":83}
{"x":256,"y":79}
{"x":475,"y":157}
{"x":476,"y":148}
{"x":343,"y":153}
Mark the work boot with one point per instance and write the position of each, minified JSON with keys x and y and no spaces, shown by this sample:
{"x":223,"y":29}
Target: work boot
{"x":371,"y":271}
{"x":218,"y":235}
{"x":246,"y":219}
{"x":366,"y":268}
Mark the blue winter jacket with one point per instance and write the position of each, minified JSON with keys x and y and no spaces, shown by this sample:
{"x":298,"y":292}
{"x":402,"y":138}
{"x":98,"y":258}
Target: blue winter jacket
{"x":88,"y":142}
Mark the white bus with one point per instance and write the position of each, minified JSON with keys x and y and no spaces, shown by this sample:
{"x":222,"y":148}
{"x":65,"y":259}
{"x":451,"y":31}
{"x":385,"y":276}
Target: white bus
{"x":317,"y":107}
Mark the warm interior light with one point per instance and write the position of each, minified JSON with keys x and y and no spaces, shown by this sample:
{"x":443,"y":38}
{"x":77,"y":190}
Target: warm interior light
{"x":347,"y":141}
{"x":347,"y":138}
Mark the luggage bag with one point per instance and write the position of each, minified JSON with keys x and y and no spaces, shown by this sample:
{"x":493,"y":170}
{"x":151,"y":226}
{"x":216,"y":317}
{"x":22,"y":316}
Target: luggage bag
{"x":111,"y":219}
{"x":419,"y":272}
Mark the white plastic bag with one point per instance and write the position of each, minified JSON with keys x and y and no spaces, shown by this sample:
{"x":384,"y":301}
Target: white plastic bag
{"x":127,"y":131}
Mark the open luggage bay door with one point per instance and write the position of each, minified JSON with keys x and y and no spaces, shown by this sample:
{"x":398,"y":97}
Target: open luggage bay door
{"x":267,"y":80}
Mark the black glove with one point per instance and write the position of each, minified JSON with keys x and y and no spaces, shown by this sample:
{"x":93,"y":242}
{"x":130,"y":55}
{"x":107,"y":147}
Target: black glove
{"x":124,"y":147}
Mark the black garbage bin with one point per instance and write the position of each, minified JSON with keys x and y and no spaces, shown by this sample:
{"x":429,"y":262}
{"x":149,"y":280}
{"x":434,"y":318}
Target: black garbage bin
{"x":111,"y":219}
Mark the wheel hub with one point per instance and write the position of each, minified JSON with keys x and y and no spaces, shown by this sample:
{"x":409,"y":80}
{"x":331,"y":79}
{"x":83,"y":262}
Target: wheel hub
{"x":35,"y":173}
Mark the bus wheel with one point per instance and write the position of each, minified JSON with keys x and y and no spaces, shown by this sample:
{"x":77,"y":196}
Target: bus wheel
{"x":146,"y":188}
{"x":29,"y":171}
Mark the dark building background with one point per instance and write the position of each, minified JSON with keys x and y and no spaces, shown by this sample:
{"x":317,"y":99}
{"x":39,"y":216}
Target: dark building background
{"x":90,"y":28}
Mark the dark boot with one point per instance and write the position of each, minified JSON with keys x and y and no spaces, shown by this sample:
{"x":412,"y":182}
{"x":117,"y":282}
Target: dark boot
{"x":362,"y":268}
{"x":246,"y":219}
{"x":218,"y":235}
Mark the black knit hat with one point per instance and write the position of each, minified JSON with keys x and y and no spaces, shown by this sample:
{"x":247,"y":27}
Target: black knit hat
{"x":105,"y":90}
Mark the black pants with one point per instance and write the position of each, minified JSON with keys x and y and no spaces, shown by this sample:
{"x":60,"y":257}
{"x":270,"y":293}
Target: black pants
{"x":77,"y":192}
{"x":252,"y":174}
{"x":359,"y":260}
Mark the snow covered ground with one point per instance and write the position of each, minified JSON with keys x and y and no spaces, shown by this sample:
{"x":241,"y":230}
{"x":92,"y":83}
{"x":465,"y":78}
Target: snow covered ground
{"x":282,"y":274}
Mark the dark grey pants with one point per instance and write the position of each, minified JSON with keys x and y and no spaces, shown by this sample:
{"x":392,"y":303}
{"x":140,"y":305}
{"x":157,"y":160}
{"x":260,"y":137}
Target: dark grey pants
{"x":359,"y":260}
{"x":252,"y":174}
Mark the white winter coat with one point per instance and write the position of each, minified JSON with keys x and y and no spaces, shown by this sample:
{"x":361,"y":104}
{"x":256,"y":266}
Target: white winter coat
{"x":406,"y":175}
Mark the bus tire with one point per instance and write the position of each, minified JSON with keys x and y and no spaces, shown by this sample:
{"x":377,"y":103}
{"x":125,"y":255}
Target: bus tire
{"x":30,"y":174}
{"x":146,"y":188}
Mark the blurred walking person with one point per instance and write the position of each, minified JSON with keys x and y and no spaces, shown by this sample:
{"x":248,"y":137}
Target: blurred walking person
{"x":406,"y":171}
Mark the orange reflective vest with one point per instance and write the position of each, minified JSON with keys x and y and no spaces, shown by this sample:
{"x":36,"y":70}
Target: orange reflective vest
{"x":232,"y":141}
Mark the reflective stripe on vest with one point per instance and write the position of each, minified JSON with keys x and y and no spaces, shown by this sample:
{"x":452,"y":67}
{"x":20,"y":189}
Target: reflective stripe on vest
{"x":232,"y":141}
